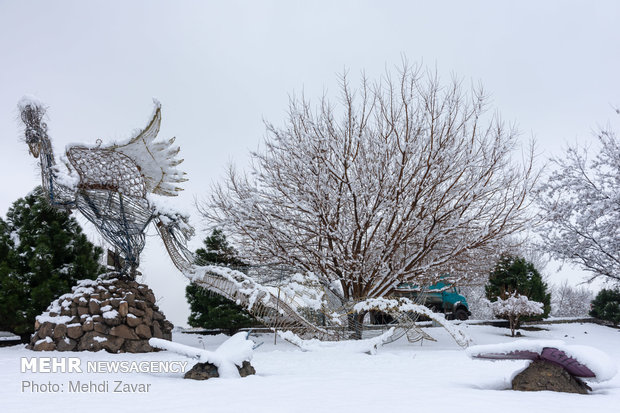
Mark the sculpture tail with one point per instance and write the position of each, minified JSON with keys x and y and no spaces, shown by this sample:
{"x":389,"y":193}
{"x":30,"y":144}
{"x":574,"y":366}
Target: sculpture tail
{"x":175,"y":232}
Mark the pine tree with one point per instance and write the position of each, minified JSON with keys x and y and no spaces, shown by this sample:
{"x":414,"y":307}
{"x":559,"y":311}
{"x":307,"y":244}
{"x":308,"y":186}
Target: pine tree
{"x":43,"y":253}
{"x":517,"y":275}
{"x":606,"y":306}
{"x":210,"y":310}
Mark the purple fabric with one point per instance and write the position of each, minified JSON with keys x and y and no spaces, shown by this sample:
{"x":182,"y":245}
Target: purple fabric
{"x":550,"y":354}
{"x":513,"y":355}
{"x":570,"y":364}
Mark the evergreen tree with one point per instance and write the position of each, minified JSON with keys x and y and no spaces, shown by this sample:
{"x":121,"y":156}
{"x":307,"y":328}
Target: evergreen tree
{"x":210,"y":310}
{"x":606,"y":306}
{"x":43,"y":253}
{"x":517,"y":275}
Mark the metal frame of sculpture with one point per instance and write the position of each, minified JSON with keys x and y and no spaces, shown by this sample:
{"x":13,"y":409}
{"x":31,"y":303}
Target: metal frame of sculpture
{"x":110,"y":186}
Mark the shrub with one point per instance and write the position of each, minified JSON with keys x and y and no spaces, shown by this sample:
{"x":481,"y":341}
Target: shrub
{"x":43,"y":253}
{"x":516,"y":275}
{"x":606,"y":306}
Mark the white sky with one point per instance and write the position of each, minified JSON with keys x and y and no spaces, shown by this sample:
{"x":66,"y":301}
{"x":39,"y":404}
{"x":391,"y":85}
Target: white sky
{"x":220,"y":68}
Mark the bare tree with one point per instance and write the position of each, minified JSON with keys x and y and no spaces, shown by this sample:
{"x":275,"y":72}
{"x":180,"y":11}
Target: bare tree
{"x":569,"y":301}
{"x":581,"y":202}
{"x":401,"y":181}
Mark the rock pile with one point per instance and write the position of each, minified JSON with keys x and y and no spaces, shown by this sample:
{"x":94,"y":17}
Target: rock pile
{"x":112,"y":314}
{"x":544,"y":375}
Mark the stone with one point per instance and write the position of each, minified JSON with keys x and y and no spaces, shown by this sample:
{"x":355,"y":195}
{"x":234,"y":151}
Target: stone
{"x":124,"y":332}
{"x":148,"y":314}
{"x":157,"y":316}
{"x":112,"y":321}
{"x":544,"y":375}
{"x":88,"y":325}
{"x":143,"y":331}
{"x":246,"y":369}
{"x":82,"y":310}
{"x":115,"y":302}
{"x":46,"y":329}
{"x":137,"y":346}
{"x":100,"y":328}
{"x":167,"y":330}
{"x":123,"y":308}
{"x":133,"y":321}
{"x":205,"y":371}
{"x":130,"y":298}
{"x":136,"y":312}
{"x":93,"y":307}
{"x":44,"y":345}
{"x":88,"y":343}
{"x":149,"y":296}
{"x":202,"y":371}
{"x":157,"y":333}
{"x":113,"y":344}
{"x":74,"y":331}
{"x":60,"y":331}
{"x":66,"y":344}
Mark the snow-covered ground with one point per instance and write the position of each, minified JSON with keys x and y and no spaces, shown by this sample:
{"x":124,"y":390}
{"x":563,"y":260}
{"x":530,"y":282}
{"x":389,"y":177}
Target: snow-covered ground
{"x":436,"y":377}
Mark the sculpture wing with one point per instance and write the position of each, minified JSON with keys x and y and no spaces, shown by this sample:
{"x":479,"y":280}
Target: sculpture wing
{"x":156,"y":161}
{"x":135,"y":167}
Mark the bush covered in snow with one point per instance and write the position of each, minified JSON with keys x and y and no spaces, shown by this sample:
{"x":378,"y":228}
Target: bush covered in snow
{"x":514,"y":307}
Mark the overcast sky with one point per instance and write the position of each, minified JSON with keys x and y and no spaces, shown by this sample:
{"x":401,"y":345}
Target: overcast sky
{"x":221,"y":68}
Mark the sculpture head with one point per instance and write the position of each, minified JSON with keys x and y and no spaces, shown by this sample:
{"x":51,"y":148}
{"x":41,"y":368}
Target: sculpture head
{"x":35,"y":130}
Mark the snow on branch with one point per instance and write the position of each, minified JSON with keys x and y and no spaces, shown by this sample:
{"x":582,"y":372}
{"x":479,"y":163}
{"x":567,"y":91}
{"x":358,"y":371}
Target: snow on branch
{"x":514,"y":307}
{"x":402,"y":180}
{"x":405,"y":305}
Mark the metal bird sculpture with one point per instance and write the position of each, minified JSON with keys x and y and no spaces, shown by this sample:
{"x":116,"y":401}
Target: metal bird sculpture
{"x":110,"y":185}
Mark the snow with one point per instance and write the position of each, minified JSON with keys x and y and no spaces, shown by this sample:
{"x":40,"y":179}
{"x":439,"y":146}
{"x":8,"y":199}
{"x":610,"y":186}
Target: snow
{"x":110,"y":314}
{"x":516,"y":305}
{"x":60,"y":319}
{"x":436,"y":376}
{"x":370,"y":345}
{"x":100,"y":339}
{"x":30,"y":100}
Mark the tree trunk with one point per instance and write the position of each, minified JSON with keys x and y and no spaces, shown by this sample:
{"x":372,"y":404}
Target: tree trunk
{"x":356,"y":324}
